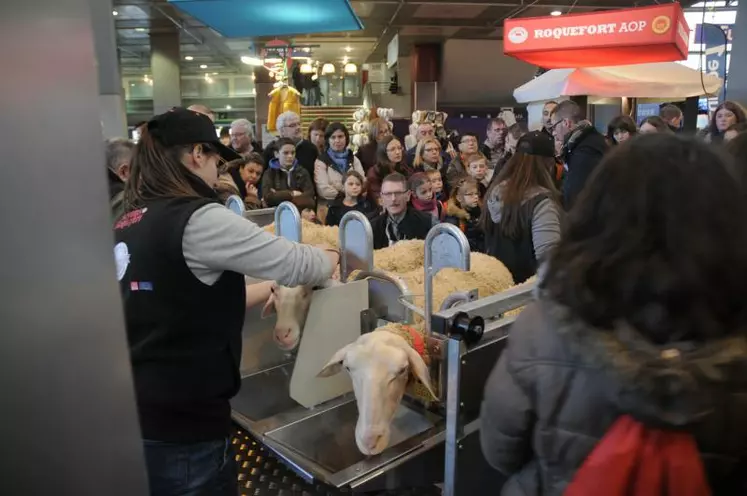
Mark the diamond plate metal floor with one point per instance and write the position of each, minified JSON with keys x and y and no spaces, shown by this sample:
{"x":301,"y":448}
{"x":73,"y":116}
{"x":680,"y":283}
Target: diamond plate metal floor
{"x":262,"y":474}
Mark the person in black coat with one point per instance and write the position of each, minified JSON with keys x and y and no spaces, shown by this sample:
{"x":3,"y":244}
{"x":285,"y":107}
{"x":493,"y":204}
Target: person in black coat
{"x":289,"y":126}
{"x":354,"y":198}
{"x":582,"y":150}
{"x":399,"y":221}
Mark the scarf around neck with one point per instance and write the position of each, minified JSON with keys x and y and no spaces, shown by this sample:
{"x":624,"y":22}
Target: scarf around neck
{"x":339,"y":160}
{"x":425,"y":205}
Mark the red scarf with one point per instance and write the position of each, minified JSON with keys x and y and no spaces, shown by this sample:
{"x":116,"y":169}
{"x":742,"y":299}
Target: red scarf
{"x":428,"y":206}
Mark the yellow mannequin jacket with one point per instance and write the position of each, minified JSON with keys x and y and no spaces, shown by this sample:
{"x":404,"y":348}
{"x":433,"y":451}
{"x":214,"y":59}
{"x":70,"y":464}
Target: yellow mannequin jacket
{"x":282,"y":100}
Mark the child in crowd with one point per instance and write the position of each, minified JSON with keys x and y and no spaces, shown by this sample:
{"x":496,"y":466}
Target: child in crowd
{"x":437,"y":184}
{"x":352,"y":198}
{"x":423,"y":198}
{"x":241,"y":177}
{"x":463,"y":210}
{"x":478,"y":170}
{"x":285,"y":180}
{"x":310,"y":215}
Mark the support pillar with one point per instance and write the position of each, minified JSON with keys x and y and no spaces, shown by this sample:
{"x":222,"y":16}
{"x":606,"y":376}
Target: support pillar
{"x":425,"y":69}
{"x":263,"y":85}
{"x":736,"y":88}
{"x":111,"y":94}
{"x":165,"y":69}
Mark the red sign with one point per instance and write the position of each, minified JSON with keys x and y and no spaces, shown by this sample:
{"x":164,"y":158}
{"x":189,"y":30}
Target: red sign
{"x":613,"y":37}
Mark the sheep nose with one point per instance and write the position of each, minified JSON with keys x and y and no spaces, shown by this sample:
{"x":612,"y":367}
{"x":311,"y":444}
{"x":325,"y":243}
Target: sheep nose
{"x":370,"y":441}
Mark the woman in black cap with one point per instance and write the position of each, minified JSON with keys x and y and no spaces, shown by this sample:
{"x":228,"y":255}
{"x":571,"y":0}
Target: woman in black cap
{"x":181,"y":258}
{"x":522,"y":221}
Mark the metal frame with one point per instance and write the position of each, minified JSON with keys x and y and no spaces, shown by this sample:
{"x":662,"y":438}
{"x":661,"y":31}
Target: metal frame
{"x":288,"y":222}
{"x":356,"y":247}
{"x":235,"y":204}
{"x":449,"y":435}
{"x":261,"y":216}
{"x":438,"y":255}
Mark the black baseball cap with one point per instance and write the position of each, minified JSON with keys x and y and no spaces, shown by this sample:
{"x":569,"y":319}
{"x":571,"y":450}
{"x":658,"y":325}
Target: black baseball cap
{"x":537,"y":143}
{"x":180,"y":126}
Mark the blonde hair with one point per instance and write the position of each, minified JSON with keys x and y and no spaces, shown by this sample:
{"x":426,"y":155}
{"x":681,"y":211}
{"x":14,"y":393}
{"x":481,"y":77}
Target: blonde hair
{"x":419,"y":162}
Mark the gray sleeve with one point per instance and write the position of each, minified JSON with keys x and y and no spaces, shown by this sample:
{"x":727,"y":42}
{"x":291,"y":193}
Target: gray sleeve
{"x":216,"y":239}
{"x":545,"y":227}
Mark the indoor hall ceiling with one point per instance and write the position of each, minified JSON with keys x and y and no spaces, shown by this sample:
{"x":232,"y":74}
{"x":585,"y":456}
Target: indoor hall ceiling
{"x":416,"y":21}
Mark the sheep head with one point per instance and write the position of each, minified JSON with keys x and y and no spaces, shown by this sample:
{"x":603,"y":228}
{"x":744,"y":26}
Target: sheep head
{"x":380,"y":364}
{"x":292,"y":307}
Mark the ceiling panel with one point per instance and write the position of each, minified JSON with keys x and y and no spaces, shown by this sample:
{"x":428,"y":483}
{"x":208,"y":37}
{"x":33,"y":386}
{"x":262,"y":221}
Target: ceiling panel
{"x":448,"y":11}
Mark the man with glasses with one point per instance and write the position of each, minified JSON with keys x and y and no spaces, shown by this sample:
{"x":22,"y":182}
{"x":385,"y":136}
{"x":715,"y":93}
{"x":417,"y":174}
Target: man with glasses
{"x":288,"y":125}
{"x":494,"y":147}
{"x":469,"y":146}
{"x":582,"y":147}
{"x":398,"y":221}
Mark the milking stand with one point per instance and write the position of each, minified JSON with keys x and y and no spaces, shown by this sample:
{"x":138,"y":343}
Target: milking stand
{"x":429,"y":444}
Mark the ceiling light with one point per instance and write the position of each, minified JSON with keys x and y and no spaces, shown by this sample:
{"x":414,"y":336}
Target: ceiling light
{"x":140,"y":30}
{"x":203,"y":66}
{"x":328,"y":68}
{"x":306,"y":69}
{"x":345,"y":60}
{"x":556,"y":13}
{"x":351,"y":68}
{"x":254,"y":78}
{"x":215,"y":74}
{"x":228,"y":107}
{"x":348,"y":49}
{"x":189,"y":57}
{"x":115,"y":13}
{"x":251,"y":60}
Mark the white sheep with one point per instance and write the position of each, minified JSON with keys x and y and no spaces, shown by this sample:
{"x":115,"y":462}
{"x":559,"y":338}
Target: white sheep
{"x":381,"y":364}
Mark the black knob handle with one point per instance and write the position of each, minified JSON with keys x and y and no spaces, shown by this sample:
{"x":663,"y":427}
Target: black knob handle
{"x":470,"y":330}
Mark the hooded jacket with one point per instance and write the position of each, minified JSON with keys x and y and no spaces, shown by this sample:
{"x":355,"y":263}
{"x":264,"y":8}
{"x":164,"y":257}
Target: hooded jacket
{"x":560,"y":384}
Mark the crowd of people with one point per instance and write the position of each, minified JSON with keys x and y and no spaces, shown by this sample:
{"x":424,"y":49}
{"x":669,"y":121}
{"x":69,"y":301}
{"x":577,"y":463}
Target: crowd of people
{"x":633,"y":234}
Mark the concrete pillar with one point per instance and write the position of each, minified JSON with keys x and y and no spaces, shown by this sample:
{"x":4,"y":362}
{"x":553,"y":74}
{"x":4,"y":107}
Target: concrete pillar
{"x":425,"y":71}
{"x":165,"y":69}
{"x":737,"y":79}
{"x":111,"y":94}
{"x":262,"y":87}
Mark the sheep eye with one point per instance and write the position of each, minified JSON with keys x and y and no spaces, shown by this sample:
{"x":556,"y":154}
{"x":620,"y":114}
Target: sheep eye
{"x":403,"y":371}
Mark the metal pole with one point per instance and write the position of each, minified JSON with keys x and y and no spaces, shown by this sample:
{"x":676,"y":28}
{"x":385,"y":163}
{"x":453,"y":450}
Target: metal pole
{"x":454,"y":427}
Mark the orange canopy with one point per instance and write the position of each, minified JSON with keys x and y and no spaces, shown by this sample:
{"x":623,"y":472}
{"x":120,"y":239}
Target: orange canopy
{"x":613,"y":37}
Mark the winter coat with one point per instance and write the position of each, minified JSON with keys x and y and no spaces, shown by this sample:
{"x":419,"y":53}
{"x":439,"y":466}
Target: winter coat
{"x":329,"y":182}
{"x":277,"y":187}
{"x":561,"y":383}
{"x":337,"y":209}
{"x":584,"y":148}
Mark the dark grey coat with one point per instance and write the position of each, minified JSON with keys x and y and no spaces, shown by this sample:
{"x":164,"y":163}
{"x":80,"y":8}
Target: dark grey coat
{"x":560,"y":384}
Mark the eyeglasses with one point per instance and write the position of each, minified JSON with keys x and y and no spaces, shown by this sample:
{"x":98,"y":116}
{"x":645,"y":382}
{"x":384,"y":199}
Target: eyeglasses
{"x":238,"y":135}
{"x":552,"y":128}
{"x":393,"y":194}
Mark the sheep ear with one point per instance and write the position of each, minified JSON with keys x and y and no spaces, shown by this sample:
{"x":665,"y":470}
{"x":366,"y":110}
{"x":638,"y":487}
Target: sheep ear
{"x":269,"y":307}
{"x":420,"y":369}
{"x":335,"y":363}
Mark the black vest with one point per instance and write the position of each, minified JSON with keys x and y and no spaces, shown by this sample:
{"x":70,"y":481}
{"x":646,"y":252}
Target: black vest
{"x":516,"y":254}
{"x":184,"y":336}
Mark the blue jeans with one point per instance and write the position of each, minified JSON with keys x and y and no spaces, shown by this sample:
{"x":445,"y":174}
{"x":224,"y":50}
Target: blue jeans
{"x":198,"y":469}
